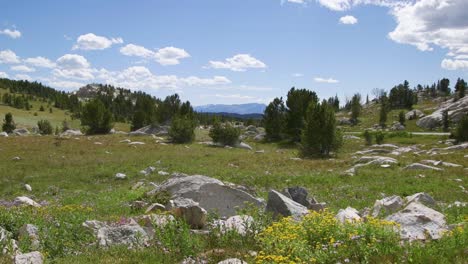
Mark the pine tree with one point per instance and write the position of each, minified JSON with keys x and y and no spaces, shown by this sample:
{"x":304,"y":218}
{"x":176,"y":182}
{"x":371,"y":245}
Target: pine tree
{"x":355,"y":108}
{"x":96,"y":117}
{"x":401,"y":117}
{"x":445,"y":121}
{"x":8,"y":123}
{"x":460,"y":88}
{"x":297,"y":102}
{"x":274,"y":119}
{"x":383,"y":111}
{"x":320,"y":136}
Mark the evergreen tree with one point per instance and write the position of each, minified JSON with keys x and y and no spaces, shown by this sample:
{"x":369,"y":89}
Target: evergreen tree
{"x":401,"y":117}
{"x":320,"y":135}
{"x":355,"y":108}
{"x":383,"y":111}
{"x":460,"y":88}
{"x":96,"y":117}
{"x":182,"y":129}
{"x":297,"y":102}
{"x":274,"y":119}
{"x":224,"y":134}
{"x":45,"y":128}
{"x":461,"y":131}
{"x":41,"y":108}
{"x":8,"y":123}
{"x":445,"y":121}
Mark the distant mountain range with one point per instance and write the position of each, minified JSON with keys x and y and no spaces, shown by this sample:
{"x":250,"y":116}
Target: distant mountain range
{"x":241,"y":109}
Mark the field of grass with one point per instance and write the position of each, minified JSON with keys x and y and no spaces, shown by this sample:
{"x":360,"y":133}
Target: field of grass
{"x":75,"y":177}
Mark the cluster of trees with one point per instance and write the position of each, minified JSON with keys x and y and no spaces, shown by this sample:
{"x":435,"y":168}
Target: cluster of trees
{"x":442,"y":88}
{"x":304,"y":120}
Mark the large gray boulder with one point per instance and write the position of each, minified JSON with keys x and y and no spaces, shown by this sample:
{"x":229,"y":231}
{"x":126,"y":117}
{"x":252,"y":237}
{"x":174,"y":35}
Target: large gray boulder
{"x":297,"y":194}
{"x":422,"y":198}
{"x":34,"y":257}
{"x":211,"y":194}
{"x":456,"y":110}
{"x":279,"y":204}
{"x":418,"y":222}
{"x":238,"y":223}
{"x":348,"y":215}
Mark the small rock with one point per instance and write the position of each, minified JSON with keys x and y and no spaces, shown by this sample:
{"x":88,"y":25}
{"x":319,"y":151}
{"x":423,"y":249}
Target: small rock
{"x":23,"y":200}
{"x":189,"y":210}
{"x":34,"y":257}
{"x":419,"y":166}
{"x":28,"y":187}
{"x":232,"y":261}
{"x":138,"y":185}
{"x":125,"y":141}
{"x":348,"y":215}
{"x":3,"y":134}
{"x":120,"y":176}
{"x":163,"y":173}
{"x":136,"y":143}
{"x":16,"y":158}
{"x":30,"y":233}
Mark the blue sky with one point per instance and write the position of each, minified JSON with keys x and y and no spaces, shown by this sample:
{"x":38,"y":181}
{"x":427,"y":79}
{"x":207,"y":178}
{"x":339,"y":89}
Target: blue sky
{"x":213,"y":51}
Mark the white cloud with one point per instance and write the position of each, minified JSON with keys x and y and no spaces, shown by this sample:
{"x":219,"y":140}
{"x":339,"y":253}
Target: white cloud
{"x":11,"y":33}
{"x":22,"y":68}
{"x":8,"y":57}
{"x":23,"y":77}
{"x":170,"y":55}
{"x":428,"y":23}
{"x":73,"y":66}
{"x":449,"y":64}
{"x":297,"y":74}
{"x":348,"y":20}
{"x":140,"y":77}
{"x":91,"y":41}
{"x":325,"y":80}
{"x":40,"y":62}
{"x":296,"y":1}
{"x":3,"y":75}
{"x":164,"y":56}
{"x":343,"y":5}
{"x":239,"y":62}
{"x":65,"y":85}
{"x":135,"y":50}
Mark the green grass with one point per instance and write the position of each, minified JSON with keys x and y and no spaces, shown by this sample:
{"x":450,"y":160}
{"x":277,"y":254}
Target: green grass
{"x":77,"y":172}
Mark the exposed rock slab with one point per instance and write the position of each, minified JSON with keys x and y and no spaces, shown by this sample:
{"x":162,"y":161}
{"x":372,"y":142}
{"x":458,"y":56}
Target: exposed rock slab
{"x":279,"y":204}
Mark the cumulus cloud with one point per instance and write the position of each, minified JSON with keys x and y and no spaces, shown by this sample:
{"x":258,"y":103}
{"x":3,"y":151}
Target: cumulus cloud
{"x":325,"y":80}
{"x":348,"y":20}
{"x":22,"y":68}
{"x":239,"y":62}
{"x":170,"y":55}
{"x":164,"y":56}
{"x":91,"y":41}
{"x":140,"y":77}
{"x":73,"y":66}
{"x":343,"y":5}
{"x":11,"y":33}
{"x":3,"y":75}
{"x":8,"y":57}
{"x":428,"y":23}
{"x":65,"y":85}
{"x":23,"y":77}
{"x":40,"y":62}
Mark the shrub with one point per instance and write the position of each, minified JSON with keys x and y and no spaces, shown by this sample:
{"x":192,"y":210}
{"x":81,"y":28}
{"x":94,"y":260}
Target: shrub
{"x":45,"y":128}
{"x":379,"y":137}
{"x":8,"y":123}
{"x":182,"y":129}
{"x":445,"y":121}
{"x":320,"y":135}
{"x":368,"y":137}
{"x":41,"y":108}
{"x":461,"y":131}
{"x":401,"y":117}
{"x":96,"y":118}
{"x":225,"y":134}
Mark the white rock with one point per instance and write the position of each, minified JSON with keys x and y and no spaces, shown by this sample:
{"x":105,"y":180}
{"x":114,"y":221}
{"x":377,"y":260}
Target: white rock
{"x":419,"y":166}
{"x":30,"y":233}
{"x":23,"y":200}
{"x":387,"y":205}
{"x":232,"y":261}
{"x":243,"y":145}
{"x":238,"y":223}
{"x":163,"y":173}
{"x":34,"y":257}
{"x":120,"y":176}
{"x":3,"y":134}
{"x":28,"y":187}
{"x":136,"y":143}
{"x":348,"y":215}
{"x":125,"y":141}
{"x":418,"y":222}
{"x":130,"y":235}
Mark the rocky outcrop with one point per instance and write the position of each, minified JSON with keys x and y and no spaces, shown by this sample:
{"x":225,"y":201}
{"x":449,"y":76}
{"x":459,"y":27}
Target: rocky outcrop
{"x":348,"y":215}
{"x":280,"y":205}
{"x":34,"y":257}
{"x":188,"y":210}
{"x":211,"y":194}
{"x":414,"y":114}
{"x":456,"y":110}
{"x":387,"y":205}
{"x":71,"y":133}
{"x":419,"y":166}
{"x":23,"y":200}
{"x":21,"y":132}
